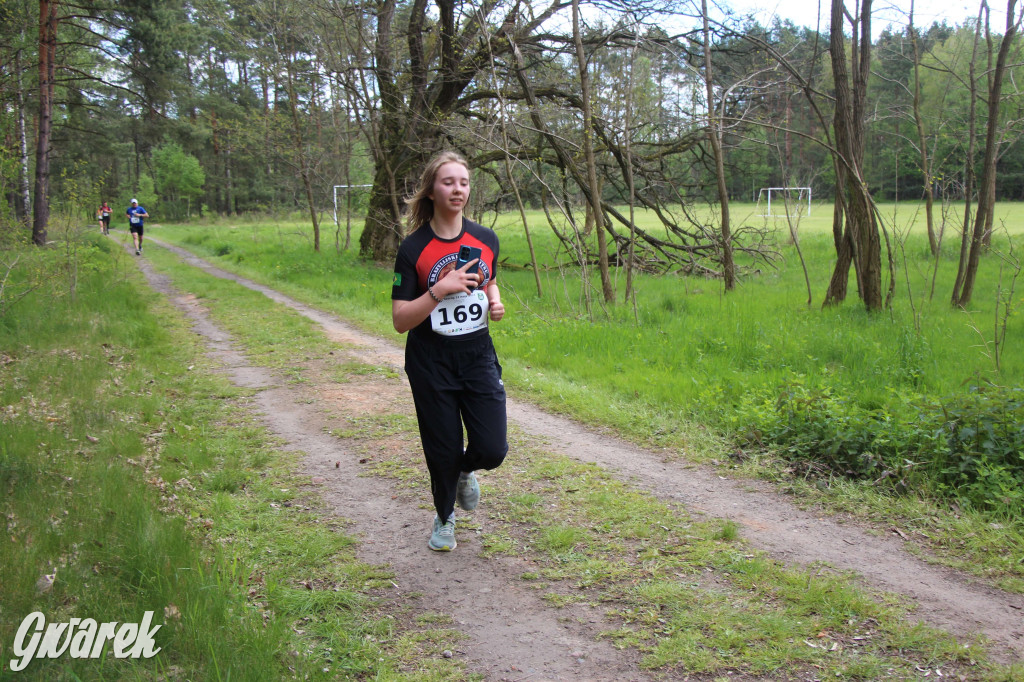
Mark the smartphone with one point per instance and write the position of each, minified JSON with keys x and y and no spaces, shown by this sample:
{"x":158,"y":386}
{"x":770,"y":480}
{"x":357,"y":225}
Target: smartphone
{"x":466,"y":254}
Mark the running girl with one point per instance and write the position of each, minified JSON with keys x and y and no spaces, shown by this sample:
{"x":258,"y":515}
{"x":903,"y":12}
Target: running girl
{"x":449,"y":358}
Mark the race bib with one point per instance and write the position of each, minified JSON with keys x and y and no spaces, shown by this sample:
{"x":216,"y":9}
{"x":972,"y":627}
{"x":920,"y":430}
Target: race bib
{"x":135,"y":220}
{"x":460,"y":313}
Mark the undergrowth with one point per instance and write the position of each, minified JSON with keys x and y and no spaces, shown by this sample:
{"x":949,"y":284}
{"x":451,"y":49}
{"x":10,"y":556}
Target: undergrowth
{"x":967,"y":448}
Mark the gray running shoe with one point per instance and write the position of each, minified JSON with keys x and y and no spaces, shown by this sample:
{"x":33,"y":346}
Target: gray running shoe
{"x":443,"y":537}
{"x":467,"y":494}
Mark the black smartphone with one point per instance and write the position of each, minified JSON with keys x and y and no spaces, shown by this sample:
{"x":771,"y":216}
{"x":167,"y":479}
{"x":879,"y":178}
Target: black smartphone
{"x":466,"y":254}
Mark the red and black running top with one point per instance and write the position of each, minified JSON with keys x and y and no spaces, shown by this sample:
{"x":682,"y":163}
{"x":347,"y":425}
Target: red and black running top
{"x":424,"y":258}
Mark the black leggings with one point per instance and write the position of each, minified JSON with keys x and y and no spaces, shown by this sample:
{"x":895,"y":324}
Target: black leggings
{"x":456,"y":382}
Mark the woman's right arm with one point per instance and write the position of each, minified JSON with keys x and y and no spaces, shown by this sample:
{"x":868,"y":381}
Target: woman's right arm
{"x":408,"y":314}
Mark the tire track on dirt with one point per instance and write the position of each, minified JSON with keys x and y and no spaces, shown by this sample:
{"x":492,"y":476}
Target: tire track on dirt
{"x":940,"y":596}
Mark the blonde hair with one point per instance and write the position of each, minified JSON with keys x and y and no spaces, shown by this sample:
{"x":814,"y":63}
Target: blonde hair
{"x":419,"y":208}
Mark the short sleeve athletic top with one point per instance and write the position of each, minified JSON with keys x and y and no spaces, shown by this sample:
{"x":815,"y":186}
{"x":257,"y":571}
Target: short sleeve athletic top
{"x":424,"y":258}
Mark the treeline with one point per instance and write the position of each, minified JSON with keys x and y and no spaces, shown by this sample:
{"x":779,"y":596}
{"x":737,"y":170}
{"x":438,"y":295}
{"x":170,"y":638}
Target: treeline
{"x":228,"y":107}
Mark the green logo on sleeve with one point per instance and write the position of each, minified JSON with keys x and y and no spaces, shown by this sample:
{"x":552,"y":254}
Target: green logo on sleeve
{"x":398,"y":280}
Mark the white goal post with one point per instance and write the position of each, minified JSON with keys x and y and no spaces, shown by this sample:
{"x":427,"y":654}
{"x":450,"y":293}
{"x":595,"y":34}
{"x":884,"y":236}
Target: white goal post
{"x":343,"y":188}
{"x":803,"y":194}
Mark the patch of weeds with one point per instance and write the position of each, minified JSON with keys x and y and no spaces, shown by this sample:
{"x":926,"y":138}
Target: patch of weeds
{"x":728,"y":531}
{"x":525,"y":500}
{"x":377,"y":426}
{"x":559,"y":600}
{"x":346,"y":370}
{"x":227,"y":480}
{"x":408,"y":477}
{"x":559,"y":540}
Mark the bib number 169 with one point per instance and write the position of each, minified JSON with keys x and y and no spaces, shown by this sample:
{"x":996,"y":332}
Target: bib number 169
{"x":461,"y":314}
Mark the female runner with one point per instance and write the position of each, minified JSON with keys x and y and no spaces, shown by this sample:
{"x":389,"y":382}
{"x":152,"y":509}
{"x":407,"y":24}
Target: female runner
{"x":449,"y":358}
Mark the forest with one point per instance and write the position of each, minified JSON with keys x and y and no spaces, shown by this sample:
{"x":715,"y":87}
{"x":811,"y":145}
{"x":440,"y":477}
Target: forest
{"x":216,"y":107}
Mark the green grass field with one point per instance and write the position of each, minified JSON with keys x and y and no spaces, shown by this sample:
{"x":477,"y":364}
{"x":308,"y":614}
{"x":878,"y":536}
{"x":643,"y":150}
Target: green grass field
{"x":135,"y":479}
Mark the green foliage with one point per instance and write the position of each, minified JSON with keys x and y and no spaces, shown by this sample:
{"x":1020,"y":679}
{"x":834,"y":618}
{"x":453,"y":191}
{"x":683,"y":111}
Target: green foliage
{"x":145,"y":193}
{"x":179,"y":179}
{"x":75,"y":442}
{"x":984,"y":459}
{"x":831,"y":435}
{"x":966,"y":448}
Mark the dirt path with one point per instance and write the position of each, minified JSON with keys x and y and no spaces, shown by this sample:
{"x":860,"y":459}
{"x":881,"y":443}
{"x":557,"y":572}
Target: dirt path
{"x":509,"y":626}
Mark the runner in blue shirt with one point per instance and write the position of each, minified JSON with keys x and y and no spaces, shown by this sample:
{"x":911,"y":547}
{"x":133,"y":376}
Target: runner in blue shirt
{"x":136,"y":214}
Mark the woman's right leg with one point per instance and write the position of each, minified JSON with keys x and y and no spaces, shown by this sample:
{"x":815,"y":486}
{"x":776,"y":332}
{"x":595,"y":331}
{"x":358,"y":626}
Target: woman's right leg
{"x":435,"y":393}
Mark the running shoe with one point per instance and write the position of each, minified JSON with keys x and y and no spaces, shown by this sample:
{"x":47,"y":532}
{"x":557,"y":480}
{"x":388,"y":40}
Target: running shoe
{"x":467,"y":494}
{"x":443,"y":537}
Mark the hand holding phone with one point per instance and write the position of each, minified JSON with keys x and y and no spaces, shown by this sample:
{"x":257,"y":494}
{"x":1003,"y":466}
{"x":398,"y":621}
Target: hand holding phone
{"x":468,"y":253}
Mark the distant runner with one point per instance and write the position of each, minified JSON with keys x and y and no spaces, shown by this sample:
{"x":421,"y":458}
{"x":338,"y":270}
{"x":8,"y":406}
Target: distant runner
{"x":136,"y":215}
{"x":104,"y":215}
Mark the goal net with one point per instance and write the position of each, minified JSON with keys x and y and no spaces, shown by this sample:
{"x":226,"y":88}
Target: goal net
{"x":781,"y":201}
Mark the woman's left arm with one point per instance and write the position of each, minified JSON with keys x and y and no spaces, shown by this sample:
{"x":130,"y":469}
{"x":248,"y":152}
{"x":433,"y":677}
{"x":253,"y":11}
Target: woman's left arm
{"x":494,"y":301}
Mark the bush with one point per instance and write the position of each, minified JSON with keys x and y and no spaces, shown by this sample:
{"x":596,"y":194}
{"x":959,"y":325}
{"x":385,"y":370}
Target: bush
{"x":827,"y":434}
{"x":968,"y":448}
{"x":983,"y":461}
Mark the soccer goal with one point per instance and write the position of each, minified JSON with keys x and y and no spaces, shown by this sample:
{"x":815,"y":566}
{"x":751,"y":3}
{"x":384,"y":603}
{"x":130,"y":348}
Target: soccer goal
{"x":799,"y":198}
{"x":343,"y":188}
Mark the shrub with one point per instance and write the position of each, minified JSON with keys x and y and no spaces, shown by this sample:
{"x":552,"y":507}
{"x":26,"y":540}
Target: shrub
{"x":983,"y":461}
{"x":968,"y":448}
{"x":827,"y":434}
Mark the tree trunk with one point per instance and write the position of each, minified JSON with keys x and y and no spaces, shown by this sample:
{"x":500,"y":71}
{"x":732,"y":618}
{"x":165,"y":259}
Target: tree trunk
{"x":383,"y":231}
{"x":300,"y":152}
{"x":970,"y":174}
{"x":983,"y":217}
{"x":926,"y":170}
{"x":594,"y":196}
{"x":23,"y":202}
{"x":47,"y":73}
{"x":728,"y":267}
{"x":861,"y":225}
{"x":229,"y":188}
{"x":418,"y":102}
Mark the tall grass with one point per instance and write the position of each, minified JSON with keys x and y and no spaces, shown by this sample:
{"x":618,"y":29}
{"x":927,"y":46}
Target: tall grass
{"x":130,"y":481}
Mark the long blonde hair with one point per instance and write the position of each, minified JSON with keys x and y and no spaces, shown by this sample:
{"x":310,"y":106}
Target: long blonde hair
{"x":419,"y":208}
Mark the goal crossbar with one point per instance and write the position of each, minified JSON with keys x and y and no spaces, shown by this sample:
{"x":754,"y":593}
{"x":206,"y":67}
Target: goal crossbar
{"x":800,"y":194}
